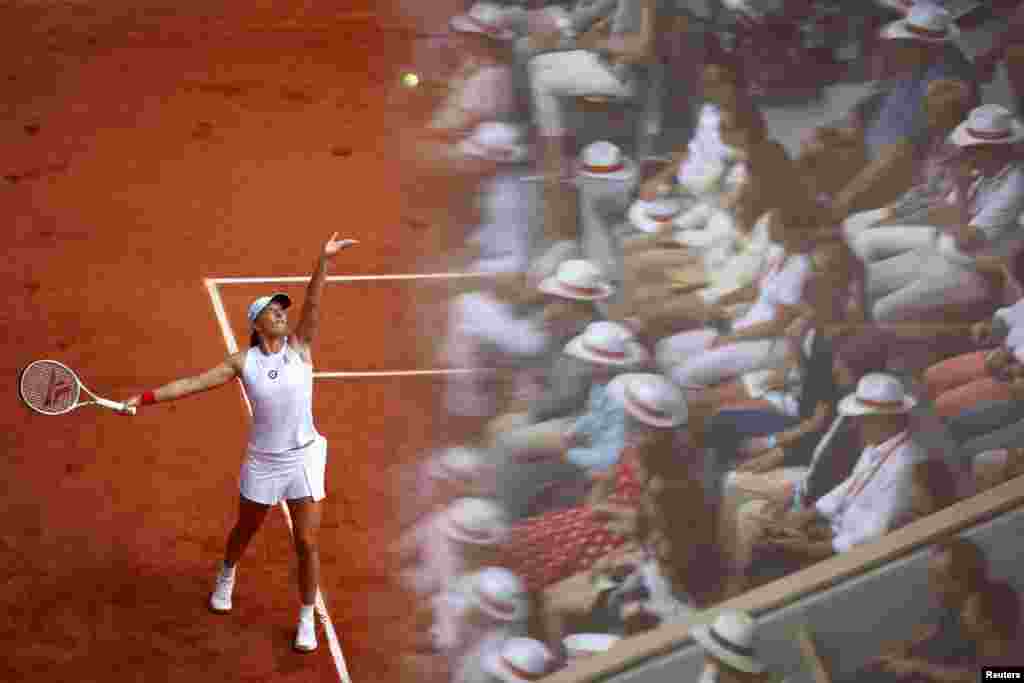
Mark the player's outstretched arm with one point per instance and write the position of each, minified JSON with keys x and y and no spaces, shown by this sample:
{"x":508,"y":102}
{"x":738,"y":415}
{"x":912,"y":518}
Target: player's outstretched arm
{"x":215,"y":377}
{"x":309,"y":320}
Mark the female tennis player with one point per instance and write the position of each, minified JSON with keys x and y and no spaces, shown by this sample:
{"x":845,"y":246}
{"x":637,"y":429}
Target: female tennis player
{"x":286,"y":455}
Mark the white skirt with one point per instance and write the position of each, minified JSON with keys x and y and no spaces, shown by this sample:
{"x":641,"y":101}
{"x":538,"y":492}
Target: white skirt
{"x":269,"y":478}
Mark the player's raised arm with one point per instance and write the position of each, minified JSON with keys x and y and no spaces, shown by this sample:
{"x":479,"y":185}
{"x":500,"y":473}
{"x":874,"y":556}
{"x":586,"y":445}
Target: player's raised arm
{"x":215,"y":377}
{"x":309,"y":320}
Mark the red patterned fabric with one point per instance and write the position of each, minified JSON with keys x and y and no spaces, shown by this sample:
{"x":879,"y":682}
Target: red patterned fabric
{"x":550,"y":547}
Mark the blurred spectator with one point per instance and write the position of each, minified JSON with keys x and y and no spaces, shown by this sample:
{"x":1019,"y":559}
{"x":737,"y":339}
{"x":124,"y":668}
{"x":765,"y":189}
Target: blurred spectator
{"x":992,"y":468}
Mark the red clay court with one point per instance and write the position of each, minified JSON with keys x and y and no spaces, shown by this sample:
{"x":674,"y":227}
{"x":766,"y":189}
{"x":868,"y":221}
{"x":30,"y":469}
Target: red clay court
{"x":160,"y":162}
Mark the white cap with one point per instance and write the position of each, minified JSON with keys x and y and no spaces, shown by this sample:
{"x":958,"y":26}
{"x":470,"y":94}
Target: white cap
{"x":256,"y":307}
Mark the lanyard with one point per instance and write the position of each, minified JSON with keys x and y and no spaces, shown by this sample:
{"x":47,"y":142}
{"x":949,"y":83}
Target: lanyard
{"x":863,"y":478}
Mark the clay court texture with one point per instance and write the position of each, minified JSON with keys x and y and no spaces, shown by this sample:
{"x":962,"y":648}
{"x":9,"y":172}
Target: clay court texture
{"x":163,"y":166}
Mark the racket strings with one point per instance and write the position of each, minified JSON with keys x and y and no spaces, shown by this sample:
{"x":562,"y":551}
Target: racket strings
{"x":49,"y":387}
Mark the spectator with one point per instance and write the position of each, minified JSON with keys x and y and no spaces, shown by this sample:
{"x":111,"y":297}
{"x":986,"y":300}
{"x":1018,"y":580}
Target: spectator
{"x":862,"y":508}
{"x":981,"y":237}
{"x":489,"y":607}
{"x":923,"y":52}
{"x":988,"y":425}
{"x":572,"y":293}
{"x":531,"y":482}
{"x":754,"y":340}
{"x":990,"y":620}
{"x":601,"y":61}
{"x":879,"y":233}
{"x":960,"y":382}
{"x":956,"y":569}
{"x":466,"y":535}
{"x":549,"y":547}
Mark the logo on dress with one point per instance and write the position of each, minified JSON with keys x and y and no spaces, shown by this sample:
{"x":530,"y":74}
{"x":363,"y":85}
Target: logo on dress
{"x":272,"y":374}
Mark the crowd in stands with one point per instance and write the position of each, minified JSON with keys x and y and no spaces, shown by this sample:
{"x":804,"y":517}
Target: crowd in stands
{"x":703,"y":367}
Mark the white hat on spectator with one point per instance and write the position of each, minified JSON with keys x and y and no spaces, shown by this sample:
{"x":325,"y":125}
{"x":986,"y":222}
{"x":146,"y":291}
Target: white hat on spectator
{"x":475,"y":521}
{"x":519,"y":660}
{"x":578,"y":279}
{"x":729,"y":640}
{"x":603,"y":159}
{"x":487,"y":18}
{"x":607,"y":343}
{"x":925,"y":22}
{"x":650,"y":398}
{"x":877,"y":394}
{"x":652,"y":216}
{"x":496,"y":141}
{"x":499,"y":594}
{"x":547,"y":263}
{"x":989,"y":124}
{"x":458,"y":464}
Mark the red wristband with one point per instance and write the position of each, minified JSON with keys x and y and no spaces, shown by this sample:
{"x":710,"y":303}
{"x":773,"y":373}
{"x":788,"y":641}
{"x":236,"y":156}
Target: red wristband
{"x":148,"y":398}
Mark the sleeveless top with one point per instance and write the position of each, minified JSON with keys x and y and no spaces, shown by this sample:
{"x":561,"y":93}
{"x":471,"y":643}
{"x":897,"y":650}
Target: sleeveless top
{"x":280,"y":389}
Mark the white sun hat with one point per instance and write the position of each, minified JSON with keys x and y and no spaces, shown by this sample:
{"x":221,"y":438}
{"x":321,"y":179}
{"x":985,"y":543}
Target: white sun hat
{"x":499,"y":593}
{"x":603,"y":159}
{"x":488,"y":19}
{"x":730,"y":639}
{"x":496,"y":141}
{"x":652,"y":216}
{"x":650,"y":398}
{"x":475,"y":521}
{"x":989,"y":124}
{"x":519,"y":660}
{"x":607,"y":343}
{"x":877,"y":394}
{"x":578,"y":279}
{"x":458,"y":463}
{"x":925,"y":22}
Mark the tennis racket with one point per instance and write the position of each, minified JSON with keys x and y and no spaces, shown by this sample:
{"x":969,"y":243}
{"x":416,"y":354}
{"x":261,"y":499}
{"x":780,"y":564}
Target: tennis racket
{"x":52,"y":388}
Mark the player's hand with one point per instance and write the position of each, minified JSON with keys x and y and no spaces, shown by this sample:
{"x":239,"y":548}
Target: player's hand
{"x":334,"y":245}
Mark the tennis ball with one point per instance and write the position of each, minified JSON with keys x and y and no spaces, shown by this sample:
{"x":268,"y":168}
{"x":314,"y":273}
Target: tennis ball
{"x":410,"y":80}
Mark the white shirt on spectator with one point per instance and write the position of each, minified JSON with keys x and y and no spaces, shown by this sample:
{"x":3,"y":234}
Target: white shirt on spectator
{"x":870,"y":513}
{"x":746,"y":258}
{"x":707,"y":156}
{"x":1013,"y":315}
{"x":995,"y":205}
{"x":782,"y":284}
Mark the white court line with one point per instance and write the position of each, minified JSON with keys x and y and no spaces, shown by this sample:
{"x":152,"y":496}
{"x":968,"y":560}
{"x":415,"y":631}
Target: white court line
{"x":321,"y":606}
{"x":299,"y":279}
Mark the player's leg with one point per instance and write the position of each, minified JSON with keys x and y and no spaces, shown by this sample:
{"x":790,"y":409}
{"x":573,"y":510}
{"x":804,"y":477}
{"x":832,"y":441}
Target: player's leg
{"x":250,"y":517}
{"x":306,"y":516}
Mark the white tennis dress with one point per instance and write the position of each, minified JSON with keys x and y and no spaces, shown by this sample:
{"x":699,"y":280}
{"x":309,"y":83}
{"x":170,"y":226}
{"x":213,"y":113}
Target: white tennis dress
{"x":286,"y":456}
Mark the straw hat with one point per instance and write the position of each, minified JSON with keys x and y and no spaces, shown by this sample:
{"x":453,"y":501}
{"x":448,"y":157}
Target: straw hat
{"x":729,"y":640}
{"x":578,"y":279}
{"x":486,"y":18}
{"x":519,"y":660}
{"x":496,"y":141}
{"x":653,"y":216}
{"x":499,"y":593}
{"x":607,"y":343}
{"x":925,"y":22}
{"x":605,"y":160}
{"x":877,"y":394}
{"x":475,"y":521}
{"x":650,"y":398}
{"x":989,"y":124}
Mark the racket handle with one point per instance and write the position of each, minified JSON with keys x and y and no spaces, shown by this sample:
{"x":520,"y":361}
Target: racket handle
{"x":114,"y":405}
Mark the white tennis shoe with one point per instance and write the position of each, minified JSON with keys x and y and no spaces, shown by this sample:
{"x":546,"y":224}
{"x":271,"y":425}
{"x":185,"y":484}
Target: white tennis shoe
{"x":220,"y":599}
{"x":305,"y":636}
